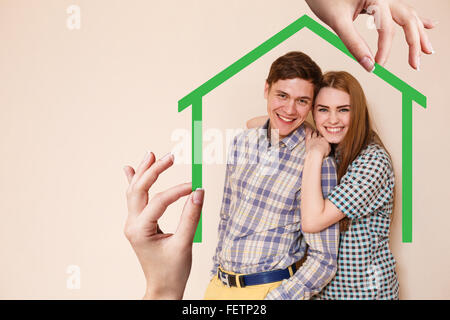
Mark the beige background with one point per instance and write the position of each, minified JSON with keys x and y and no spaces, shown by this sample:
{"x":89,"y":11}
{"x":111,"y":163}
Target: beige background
{"x":75,"y":106}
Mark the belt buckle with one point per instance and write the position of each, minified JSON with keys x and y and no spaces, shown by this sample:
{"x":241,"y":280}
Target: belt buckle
{"x":224,"y":279}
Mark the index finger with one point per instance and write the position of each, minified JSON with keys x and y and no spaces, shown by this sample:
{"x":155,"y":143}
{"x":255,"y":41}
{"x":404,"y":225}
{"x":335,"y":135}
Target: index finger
{"x":156,"y":207}
{"x":345,"y":29}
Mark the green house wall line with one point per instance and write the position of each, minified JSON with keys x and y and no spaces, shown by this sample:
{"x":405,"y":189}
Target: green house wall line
{"x":409,"y":94}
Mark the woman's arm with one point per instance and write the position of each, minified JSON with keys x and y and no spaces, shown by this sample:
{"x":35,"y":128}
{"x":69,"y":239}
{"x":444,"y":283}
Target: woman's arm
{"x":256,"y":122}
{"x":317,"y":213}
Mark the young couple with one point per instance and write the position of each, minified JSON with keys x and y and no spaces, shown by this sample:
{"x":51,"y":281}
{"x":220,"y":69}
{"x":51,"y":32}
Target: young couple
{"x":306,"y":213}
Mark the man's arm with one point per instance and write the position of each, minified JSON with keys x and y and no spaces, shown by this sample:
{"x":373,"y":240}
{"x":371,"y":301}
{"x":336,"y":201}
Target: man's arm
{"x":321,"y":263}
{"x":225,"y":209}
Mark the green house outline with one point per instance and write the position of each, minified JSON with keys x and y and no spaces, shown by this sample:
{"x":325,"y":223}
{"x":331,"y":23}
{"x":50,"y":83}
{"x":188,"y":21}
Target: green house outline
{"x":409,"y":94}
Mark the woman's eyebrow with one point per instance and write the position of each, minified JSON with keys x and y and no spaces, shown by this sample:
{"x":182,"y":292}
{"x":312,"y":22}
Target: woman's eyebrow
{"x":338,"y":107}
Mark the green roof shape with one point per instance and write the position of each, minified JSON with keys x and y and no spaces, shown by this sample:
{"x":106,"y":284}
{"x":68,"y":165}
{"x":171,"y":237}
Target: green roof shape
{"x":409,"y":94}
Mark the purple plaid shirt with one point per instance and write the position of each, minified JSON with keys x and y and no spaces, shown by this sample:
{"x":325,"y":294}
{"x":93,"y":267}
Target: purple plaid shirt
{"x":260,"y":221}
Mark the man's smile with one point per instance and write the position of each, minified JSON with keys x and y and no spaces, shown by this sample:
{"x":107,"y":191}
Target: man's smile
{"x":286,"y":119}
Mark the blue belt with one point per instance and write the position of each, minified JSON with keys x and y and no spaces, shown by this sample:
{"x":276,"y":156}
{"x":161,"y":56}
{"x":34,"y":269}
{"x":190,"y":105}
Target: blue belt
{"x":233,"y":280}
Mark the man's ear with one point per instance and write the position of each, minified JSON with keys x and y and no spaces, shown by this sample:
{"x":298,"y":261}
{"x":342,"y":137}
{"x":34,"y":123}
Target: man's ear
{"x":266,"y":90}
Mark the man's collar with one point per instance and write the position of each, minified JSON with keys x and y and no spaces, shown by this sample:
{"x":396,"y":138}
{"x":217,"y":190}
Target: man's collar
{"x":292,"y":140}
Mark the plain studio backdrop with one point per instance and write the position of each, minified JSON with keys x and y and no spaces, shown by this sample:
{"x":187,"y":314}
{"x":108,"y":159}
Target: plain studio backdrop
{"x":77,"y":104}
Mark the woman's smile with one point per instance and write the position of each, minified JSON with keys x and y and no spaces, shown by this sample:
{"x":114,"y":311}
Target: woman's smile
{"x":334,"y":130}
{"x":332,"y":114}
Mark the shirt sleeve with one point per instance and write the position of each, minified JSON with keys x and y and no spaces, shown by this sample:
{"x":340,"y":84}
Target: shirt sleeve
{"x":367,"y":185}
{"x":321,"y":262}
{"x":225,"y":208}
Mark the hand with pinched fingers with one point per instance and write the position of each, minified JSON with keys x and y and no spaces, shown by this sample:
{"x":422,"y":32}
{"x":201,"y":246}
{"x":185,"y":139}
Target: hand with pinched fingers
{"x":166,"y":259}
{"x":340,"y":14}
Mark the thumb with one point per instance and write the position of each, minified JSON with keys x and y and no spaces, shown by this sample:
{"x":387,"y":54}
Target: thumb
{"x":190,"y":217}
{"x":355,"y":44}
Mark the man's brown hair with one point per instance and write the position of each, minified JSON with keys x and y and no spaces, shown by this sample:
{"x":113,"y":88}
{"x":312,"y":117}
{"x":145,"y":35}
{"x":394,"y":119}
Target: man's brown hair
{"x":295,"y":64}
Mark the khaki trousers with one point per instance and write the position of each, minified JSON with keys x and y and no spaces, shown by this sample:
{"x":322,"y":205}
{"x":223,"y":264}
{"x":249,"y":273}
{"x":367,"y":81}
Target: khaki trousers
{"x":218,"y":291}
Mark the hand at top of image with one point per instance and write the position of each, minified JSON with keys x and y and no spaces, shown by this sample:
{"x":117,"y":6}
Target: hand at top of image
{"x":340,"y":14}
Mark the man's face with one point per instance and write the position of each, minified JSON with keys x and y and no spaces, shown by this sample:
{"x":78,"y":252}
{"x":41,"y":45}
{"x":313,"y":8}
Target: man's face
{"x":288,"y":104}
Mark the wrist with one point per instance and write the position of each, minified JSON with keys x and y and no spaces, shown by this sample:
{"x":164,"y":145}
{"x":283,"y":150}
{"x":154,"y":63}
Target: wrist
{"x":160,"y":294}
{"x":315,"y":154}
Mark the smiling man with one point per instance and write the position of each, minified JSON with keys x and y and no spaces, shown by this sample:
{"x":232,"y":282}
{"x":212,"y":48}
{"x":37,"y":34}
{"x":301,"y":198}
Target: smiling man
{"x":288,"y":104}
{"x":262,"y":252}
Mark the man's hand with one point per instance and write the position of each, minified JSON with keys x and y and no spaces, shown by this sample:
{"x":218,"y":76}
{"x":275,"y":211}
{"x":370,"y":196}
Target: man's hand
{"x":340,"y":14}
{"x":166,"y":259}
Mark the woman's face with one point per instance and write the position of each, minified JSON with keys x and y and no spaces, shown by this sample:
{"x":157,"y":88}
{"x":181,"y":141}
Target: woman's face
{"x":332,"y":114}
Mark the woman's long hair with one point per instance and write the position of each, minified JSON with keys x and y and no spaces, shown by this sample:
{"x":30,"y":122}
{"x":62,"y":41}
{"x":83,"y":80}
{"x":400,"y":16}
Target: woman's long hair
{"x":360,"y":132}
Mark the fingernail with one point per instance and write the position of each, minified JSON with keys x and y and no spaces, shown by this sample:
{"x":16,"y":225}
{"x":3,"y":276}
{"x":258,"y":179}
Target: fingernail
{"x":431,"y":48}
{"x":367,"y":64}
{"x":418,"y":63}
{"x":198,"y":196}
{"x":167,"y":156}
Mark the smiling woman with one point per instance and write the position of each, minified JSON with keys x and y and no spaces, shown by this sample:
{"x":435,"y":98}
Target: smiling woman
{"x":362,"y":202}
{"x":332,"y":114}
{"x":341,"y":104}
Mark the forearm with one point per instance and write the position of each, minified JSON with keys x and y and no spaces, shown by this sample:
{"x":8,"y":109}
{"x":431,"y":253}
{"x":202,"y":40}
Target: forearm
{"x":151,"y":294}
{"x":256,"y":122}
{"x":312,"y":202}
{"x":300,"y":286}
{"x":316,"y":272}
